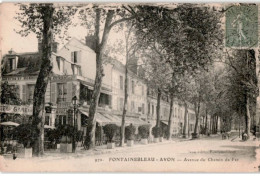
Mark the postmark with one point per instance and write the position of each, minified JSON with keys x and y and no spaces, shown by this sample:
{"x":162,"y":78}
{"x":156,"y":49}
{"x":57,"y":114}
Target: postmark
{"x":241,"y":26}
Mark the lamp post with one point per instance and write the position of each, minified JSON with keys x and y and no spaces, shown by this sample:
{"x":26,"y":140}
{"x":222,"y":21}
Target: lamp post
{"x":74,"y":102}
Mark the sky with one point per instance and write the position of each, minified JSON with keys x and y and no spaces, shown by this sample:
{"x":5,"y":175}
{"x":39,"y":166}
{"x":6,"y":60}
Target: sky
{"x":9,"y":38}
{"x":12,"y":40}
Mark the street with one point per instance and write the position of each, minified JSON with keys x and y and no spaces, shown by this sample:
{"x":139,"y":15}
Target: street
{"x":206,"y":154}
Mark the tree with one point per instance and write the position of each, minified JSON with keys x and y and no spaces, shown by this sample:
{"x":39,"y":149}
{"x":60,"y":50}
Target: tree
{"x":243,"y":89}
{"x":188,"y":35}
{"x":131,"y":47}
{"x":111,"y":17}
{"x":157,"y":74}
{"x":126,"y":48}
{"x":43,"y":20}
{"x":8,"y":96}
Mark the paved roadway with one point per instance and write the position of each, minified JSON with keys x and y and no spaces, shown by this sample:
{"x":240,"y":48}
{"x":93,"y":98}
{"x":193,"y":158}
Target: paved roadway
{"x":209,"y":154}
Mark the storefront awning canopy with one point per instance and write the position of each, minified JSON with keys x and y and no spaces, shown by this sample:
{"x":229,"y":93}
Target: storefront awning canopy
{"x":165,"y":122}
{"x":49,"y":127}
{"x":9,"y":124}
{"x":104,"y":118}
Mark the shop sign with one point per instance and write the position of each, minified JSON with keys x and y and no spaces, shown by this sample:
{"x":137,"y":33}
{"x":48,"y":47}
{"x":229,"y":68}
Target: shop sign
{"x":15,"y":109}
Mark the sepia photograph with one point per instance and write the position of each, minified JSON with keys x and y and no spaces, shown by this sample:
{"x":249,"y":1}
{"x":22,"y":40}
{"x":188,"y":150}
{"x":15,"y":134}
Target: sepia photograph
{"x":129,"y":87}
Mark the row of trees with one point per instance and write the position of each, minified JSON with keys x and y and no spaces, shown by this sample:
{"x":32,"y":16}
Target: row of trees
{"x":177,"y":45}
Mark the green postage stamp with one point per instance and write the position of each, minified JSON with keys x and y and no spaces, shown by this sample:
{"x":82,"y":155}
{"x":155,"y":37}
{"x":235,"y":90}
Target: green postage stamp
{"x":241,"y":26}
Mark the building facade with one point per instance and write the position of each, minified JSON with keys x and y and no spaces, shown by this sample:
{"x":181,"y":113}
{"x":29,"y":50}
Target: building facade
{"x":73,"y":74}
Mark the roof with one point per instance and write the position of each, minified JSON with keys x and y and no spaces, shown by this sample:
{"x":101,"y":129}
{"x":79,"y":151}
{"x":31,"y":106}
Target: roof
{"x":28,"y":64}
{"x":121,"y":67}
{"x":78,"y":44}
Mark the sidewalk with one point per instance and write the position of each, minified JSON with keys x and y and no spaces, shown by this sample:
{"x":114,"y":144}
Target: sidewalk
{"x":99,"y":150}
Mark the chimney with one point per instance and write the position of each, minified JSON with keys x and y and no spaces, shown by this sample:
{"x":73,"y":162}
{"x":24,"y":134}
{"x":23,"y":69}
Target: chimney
{"x":91,"y":42}
{"x":10,"y":52}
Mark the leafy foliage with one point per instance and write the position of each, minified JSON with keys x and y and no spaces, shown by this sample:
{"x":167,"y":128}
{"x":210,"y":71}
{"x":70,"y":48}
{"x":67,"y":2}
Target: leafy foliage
{"x":24,"y":134}
{"x":130,"y":132}
{"x":8,"y":95}
{"x":143,"y":131}
{"x":110,"y":130}
{"x":31,"y":16}
{"x":157,"y":132}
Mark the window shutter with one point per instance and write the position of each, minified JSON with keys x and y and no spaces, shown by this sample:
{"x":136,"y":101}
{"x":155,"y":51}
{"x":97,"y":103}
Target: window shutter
{"x":72,"y":57}
{"x":79,"y":53}
{"x":17,"y":89}
{"x":24,"y":93}
{"x":69,"y":92}
{"x":53,"y":93}
{"x":58,"y":62}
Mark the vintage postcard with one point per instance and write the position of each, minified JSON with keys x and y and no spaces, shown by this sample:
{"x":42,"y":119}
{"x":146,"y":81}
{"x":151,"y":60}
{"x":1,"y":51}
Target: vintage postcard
{"x":134,"y":87}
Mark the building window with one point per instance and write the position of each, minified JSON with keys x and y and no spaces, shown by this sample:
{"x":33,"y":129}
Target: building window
{"x":142,"y":108}
{"x":73,"y":69}
{"x":30,"y":93}
{"x":133,"y":87}
{"x":62,"y":92}
{"x":12,"y":63}
{"x":60,"y":120}
{"x":152,"y":110}
{"x":47,"y":120}
{"x":76,"y":70}
{"x":121,"y":83}
{"x":60,"y":63}
{"x":74,"y":56}
{"x":142,"y":90}
{"x":104,"y":100}
{"x":16,"y":90}
{"x":148,"y":108}
{"x":132,"y":106}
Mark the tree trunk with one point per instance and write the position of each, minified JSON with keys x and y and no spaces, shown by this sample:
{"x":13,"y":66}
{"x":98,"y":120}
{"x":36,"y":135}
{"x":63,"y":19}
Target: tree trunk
{"x":122,"y":135}
{"x":217,"y":124}
{"x":197,"y":113}
{"x":184,"y":131}
{"x":169,"y":131}
{"x":203,"y":122}
{"x":212,"y":124}
{"x":158,"y":107}
{"x":42,"y":81}
{"x":206,"y":123}
{"x":91,"y":122}
{"x":248,"y":118}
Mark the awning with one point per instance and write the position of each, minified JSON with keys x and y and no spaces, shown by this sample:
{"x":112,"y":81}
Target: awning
{"x":134,"y":121}
{"x":83,"y":112}
{"x":104,"y":118}
{"x":9,"y":124}
{"x":88,"y":85}
{"x":165,"y":122}
{"x":49,"y":127}
{"x":108,"y":119}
